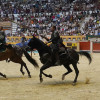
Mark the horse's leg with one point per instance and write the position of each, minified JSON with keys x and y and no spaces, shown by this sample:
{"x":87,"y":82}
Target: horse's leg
{"x":69,"y":71}
{"x":20,"y":61}
{"x":77,"y":72}
{"x":31,"y":53}
{"x":21,"y":69}
{"x":3,"y":75}
{"x":8,"y":60}
{"x":45,"y":66}
{"x":24,"y":64}
{"x":50,"y":76}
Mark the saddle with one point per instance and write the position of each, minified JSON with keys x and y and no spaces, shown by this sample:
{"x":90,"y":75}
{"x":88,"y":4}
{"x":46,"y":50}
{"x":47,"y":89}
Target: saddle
{"x":63,"y":53}
{"x":44,"y":57}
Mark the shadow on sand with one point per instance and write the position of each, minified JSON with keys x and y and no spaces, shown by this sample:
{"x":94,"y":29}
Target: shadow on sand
{"x":12,"y":78}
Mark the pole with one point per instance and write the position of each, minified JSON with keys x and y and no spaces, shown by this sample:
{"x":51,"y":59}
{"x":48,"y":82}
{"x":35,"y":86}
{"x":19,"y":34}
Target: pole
{"x":91,"y":47}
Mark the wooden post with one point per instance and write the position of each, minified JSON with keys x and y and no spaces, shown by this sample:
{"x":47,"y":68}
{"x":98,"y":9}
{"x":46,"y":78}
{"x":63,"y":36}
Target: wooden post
{"x":78,"y":46}
{"x":91,"y":46}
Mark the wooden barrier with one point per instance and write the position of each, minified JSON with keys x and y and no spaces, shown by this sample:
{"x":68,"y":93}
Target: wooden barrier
{"x":15,"y":40}
{"x":92,"y":46}
{"x":73,"y":41}
{"x":95,"y":46}
{"x":84,"y":45}
{"x":73,"y":38}
{"x":77,"y":45}
{"x":73,"y":45}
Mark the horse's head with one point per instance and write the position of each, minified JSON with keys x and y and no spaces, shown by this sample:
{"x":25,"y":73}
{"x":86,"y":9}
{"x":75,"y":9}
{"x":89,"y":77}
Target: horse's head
{"x":36,"y":43}
{"x":32,"y":43}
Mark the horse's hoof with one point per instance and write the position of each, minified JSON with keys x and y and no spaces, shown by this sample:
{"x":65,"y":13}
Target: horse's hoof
{"x":50,"y":76}
{"x":23,"y":73}
{"x":4,"y":76}
{"x":29,"y":76}
{"x":74,"y":83}
{"x":41,"y":80}
{"x":63,"y":77}
{"x":8,"y":61}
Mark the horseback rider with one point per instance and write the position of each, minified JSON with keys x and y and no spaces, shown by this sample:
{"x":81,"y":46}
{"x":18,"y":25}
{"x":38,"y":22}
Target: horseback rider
{"x":2,"y":39}
{"x":56,"y":41}
{"x":2,"y":35}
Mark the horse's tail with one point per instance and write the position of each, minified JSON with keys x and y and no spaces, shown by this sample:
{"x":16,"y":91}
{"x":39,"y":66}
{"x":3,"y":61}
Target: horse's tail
{"x":30,"y":59}
{"x":86,"y":54}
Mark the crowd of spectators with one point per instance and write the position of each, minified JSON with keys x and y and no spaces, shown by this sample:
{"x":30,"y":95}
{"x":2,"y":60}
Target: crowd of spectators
{"x":40,"y":15}
{"x":92,"y":27}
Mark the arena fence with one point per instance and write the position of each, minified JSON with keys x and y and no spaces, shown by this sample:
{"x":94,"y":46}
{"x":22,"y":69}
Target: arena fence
{"x":73,"y":38}
{"x":95,"y":46}
{"x":76,"y":42}
{"x":92,"y":46}
{"x":15,"y":40}
{"x":69,"y":41}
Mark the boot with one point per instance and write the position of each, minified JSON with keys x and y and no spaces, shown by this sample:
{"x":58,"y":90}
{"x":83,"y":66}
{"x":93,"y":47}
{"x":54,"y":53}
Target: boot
{"x":57,"y":60}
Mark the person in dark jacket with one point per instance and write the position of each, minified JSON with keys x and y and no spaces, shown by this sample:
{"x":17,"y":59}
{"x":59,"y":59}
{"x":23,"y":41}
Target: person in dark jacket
{"x":2,"y":39}
{"x":2,"y":36}
{"x":56,"y":43}
{"x":55,"y":39}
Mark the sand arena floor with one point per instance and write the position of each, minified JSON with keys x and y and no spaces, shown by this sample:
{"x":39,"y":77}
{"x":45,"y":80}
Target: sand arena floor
{"x":19,"y":87}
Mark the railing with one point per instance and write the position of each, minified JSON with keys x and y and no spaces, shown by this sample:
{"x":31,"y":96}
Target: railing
{"x":72,"y":38}
{"x":14,"y":40}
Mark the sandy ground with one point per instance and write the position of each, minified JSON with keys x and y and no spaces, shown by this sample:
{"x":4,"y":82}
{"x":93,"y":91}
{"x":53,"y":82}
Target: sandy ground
{"x":19,"y":87}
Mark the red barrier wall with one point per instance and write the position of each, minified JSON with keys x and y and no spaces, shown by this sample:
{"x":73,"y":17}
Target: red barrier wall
{"x":85,"y":46}
{"x":96,"y":46}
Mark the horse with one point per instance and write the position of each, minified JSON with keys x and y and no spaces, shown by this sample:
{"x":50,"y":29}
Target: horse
{"x":18,"y":47}
{"x":70,"y":56}
{"x":15,"y":55}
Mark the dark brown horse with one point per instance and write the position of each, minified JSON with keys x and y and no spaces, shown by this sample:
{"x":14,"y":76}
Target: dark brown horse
{"x":66,"y":58}
{"x":12,"y":54}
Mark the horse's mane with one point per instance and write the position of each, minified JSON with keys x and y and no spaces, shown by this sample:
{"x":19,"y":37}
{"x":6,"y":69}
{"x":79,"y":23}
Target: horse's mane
{"x":40,"y":41}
